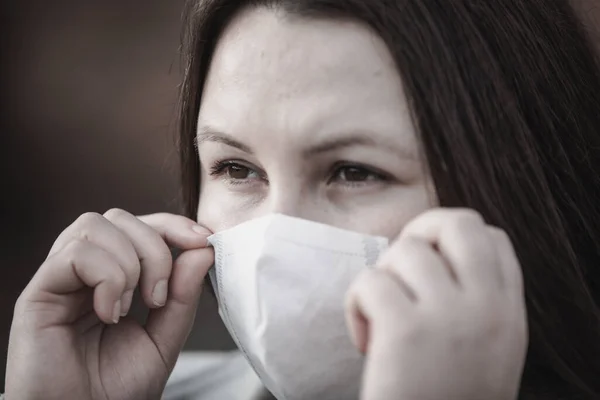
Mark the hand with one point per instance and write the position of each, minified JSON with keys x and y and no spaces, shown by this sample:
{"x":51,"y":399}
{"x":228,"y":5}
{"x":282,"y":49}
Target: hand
{"x":65,"y":341}
{"x":443,"y":316}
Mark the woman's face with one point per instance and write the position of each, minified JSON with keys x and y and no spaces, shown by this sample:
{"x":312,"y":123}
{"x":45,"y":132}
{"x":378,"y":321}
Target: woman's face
{"x":307,"y":117}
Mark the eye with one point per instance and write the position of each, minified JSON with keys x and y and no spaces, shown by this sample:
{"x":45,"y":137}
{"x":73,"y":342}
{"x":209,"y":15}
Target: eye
{"x":234,"y":172}
{"x":355,"y":174}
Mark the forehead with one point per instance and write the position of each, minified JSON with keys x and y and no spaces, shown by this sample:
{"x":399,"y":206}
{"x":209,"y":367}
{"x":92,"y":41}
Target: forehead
{"x":272,"y":71}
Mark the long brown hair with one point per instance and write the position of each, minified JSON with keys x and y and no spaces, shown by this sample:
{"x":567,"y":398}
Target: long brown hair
{"x":506,"y":95}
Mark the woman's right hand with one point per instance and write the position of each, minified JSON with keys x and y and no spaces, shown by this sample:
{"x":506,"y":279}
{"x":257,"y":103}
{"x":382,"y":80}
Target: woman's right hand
{"x":65,"y":341}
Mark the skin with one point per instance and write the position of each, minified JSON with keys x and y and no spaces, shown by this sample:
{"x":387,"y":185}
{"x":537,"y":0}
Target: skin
{"x":65,"y":341}
{"x":276,"y":90}
{"x":262,"y":94}
{"x":313,"y":128}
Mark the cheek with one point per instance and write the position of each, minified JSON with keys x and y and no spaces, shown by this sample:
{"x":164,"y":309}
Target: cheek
{"x":219,"y":210}
{"x":388,"y":216}
{"x":382,"y":214}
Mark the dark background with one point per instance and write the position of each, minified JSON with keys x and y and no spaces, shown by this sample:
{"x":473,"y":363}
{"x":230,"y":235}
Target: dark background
{"x":87,"y":123}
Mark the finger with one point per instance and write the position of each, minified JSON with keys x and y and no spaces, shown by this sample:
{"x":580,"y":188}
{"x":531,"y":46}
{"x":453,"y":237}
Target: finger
{"x":463,"y":240}
{"x":512,"y":275}
{"x":170,"y":325}
{"x":78,"y":265}
{"x":178,"y":231}
{"x":420,"y":267}
{"x":154,"y":256}
{"x":374,"y":299}
{"x":98,"y":230}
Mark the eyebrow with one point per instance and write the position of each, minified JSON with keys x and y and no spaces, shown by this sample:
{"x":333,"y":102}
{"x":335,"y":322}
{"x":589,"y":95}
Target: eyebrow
{"x":208,"y":134}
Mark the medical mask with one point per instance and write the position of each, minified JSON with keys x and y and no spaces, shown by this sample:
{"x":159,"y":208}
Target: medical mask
{"x":280,"y":284}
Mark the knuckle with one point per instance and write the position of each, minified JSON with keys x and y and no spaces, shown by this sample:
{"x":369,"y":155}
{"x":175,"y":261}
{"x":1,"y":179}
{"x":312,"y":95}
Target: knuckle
{"x":499,"y":234}
{"x":467,"y":224}
{"x":400,"y":248}
{"x":115,"y":213}
{"x":74,"y":250}
{"x":131,"y":255}
{"x":119,"y":279}
{"x":89,"y":218}
{"x":405,"y":245}
{"x":466,"y":216}
{"x":86,"y":223}
{"x":131,"y":268}
{"x":131,"y":273}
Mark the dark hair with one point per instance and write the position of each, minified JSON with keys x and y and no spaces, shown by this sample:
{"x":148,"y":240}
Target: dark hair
{"x":506,"y":96}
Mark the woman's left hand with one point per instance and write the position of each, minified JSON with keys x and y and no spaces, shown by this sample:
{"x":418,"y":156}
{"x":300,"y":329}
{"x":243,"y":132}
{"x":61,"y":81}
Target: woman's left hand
{"x":443,"y":316}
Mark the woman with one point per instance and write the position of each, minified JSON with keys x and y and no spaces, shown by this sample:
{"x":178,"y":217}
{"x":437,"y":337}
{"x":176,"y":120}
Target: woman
{"x":366,"y":116}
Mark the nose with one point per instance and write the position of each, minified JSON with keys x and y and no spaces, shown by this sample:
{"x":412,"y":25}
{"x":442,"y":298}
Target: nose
{"x":293,"y":201}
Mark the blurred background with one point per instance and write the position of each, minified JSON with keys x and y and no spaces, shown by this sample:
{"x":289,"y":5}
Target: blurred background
{"x":87,"y":123}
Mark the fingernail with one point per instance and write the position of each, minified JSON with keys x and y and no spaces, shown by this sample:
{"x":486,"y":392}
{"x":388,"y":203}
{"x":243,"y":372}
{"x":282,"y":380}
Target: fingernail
{"x":159,"y":295}
{"x":116,"y":312}
{"x":126,"y":300}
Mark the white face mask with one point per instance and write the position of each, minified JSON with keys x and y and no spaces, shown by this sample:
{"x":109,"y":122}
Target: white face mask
{"x":280,"y":284}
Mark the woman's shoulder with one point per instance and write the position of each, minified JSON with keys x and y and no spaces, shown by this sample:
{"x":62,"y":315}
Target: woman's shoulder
{"x":206,"y":375}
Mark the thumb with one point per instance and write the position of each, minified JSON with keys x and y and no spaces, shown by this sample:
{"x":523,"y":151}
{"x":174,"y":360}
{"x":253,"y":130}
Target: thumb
{"x":169,"y":326}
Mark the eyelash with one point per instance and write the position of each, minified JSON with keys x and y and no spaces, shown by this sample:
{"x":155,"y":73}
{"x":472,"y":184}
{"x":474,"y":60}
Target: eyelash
{"x":219,"y":169}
